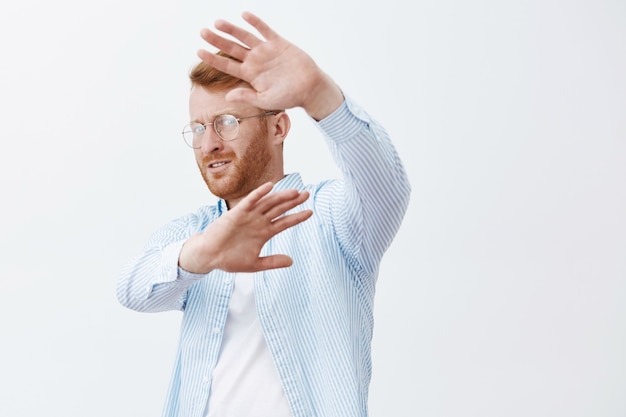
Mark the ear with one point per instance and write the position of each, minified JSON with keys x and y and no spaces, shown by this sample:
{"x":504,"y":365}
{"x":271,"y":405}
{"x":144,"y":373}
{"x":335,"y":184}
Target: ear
{"x":279,"y":127}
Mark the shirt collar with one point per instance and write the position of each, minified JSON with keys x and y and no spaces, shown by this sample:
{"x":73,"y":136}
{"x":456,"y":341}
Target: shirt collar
{"x":288,"y":181}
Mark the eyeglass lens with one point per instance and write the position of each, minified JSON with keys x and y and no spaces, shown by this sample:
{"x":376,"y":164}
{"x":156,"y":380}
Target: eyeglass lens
{"x":226,"y":126}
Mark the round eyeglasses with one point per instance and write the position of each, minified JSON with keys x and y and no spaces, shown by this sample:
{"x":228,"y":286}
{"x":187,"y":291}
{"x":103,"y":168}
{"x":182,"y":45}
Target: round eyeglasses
{"x":226,"y":126}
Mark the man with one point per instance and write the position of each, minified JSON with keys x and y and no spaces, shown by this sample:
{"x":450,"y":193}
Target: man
{"x":276,"y":281}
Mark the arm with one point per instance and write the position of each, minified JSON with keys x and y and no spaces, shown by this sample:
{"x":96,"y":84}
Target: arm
{"x":283,"y":76}
{"x":367,"y":210}
{"x":179,"y":255}
{"x":152,"y":280}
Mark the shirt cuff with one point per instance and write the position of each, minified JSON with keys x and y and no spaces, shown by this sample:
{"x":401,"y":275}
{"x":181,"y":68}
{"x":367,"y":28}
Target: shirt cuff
{"x":345,"y":122}
{"x":171,"y":271}
{"x":185,"y":276}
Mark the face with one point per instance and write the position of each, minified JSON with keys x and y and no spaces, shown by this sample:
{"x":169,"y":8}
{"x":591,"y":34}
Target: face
{"x":231,"y":169}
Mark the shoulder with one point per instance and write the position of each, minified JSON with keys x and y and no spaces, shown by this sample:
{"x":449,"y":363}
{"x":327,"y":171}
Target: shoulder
{"x":201,"y":218}
{"x":190,"y":223}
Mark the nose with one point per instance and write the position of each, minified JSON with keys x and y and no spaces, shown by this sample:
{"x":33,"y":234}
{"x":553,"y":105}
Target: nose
{"x":210,"y":142}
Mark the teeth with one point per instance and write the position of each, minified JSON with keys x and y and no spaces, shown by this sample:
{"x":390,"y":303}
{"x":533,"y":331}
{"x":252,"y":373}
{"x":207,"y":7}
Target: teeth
{"x":217,"y":164}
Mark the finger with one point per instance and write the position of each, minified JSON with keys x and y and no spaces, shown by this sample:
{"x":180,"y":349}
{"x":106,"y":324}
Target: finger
{"x":232,"y":48}
{"x":241,"y":34}
{"x":262,"y":27}
{"x":280,"y":209}
{"x":283,"y":223}
{"x":222,"y":63}
{"x":243,"y":95}
{"x":276,"y":198}
{"x":252,"y":199}
{"x":272,"y":262}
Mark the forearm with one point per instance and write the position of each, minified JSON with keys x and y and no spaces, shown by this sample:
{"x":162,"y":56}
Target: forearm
{"x":374,"y":175}
{"x":152,"y":282}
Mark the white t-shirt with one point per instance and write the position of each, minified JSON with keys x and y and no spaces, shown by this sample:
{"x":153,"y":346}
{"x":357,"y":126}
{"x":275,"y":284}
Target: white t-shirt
{"x":245,"y":380}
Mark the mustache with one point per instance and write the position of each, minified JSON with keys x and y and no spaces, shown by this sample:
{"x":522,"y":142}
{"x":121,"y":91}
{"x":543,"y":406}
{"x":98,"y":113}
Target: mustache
{"x":215,"y":158}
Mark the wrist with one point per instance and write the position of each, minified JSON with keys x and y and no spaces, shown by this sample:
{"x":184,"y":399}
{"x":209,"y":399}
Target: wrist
{"x":325,"y":98}
{"x":191,"y":258}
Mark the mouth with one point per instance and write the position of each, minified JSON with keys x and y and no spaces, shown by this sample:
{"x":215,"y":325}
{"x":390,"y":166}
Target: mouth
{"x":217,"y":166}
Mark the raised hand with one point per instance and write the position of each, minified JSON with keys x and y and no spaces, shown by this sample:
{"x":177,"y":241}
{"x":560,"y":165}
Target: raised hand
{"x":233,"y":243}
{"x":282,"y":75}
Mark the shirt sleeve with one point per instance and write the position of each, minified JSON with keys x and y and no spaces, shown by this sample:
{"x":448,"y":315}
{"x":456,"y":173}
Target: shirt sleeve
{"x":152,"y":281}
{"x":366,"y":208}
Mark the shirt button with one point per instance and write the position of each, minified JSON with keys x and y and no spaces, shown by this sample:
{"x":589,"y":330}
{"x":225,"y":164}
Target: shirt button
{"x":228,"y":280}
{"x":216,"y":330}
{"x":205,"y":380}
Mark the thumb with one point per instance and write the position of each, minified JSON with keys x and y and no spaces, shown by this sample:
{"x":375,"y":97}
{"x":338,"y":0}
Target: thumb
{"x":273,"y":262}
{"x":242,"y":95}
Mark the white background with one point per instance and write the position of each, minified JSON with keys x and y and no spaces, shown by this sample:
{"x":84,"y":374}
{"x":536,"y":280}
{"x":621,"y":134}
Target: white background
{"x":504,"y":293}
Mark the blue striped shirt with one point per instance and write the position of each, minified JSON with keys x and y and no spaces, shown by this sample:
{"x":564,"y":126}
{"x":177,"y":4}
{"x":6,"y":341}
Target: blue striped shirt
{"x":317,"y":315}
